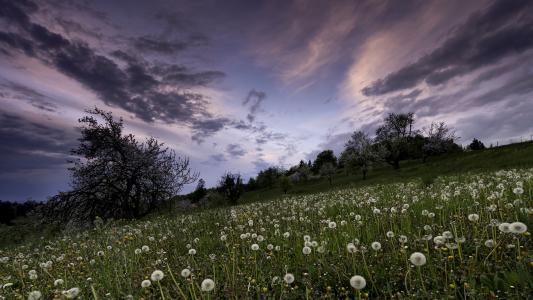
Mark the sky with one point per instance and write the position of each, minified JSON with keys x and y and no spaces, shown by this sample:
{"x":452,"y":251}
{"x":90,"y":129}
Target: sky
{"x":242,"y":85}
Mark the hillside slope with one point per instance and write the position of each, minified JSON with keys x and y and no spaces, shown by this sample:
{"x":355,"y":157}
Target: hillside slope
{"x":519,"y":155}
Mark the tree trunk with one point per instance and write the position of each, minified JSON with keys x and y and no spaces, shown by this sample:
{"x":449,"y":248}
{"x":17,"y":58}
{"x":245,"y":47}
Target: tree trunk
{"x":364,"y":174}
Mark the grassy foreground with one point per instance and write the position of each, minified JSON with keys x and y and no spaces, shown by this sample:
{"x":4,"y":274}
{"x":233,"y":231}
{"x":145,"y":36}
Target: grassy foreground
{"x":460,"y":237}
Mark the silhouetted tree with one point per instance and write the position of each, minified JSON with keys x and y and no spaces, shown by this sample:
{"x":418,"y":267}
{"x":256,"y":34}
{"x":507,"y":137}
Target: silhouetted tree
{"x":285,"y":183}
{"x":117,"y":176}
{"x":327,"y":171}
{"x":251,"y":185}
{"x":269,"y":177}
{"x":393,"y":138}
{"x":322,"y":158}
{"x":231,"y":187}
{"x":199,"y":192}
{"x":476,"y":145}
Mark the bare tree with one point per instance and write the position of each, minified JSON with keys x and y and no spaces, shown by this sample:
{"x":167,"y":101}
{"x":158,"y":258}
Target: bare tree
{"x":117,"y":176}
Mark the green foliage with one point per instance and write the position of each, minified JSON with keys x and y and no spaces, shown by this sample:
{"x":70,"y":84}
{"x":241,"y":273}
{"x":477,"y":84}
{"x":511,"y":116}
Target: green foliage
{"x":324,"y":157}
{"x":285,"y":183}
{"x":476,"y":145}
{"x":231,"y":187}
{"x":510,"y":156}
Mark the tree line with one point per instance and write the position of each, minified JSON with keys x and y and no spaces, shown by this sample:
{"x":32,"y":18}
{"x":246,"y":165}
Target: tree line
{"x":116,"y":176}
{"x":394,"y":141}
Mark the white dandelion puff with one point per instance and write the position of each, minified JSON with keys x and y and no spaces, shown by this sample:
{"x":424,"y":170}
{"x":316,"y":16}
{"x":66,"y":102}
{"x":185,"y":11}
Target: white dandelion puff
{"x":358,"y":282}
{"x":418,"y":259}
{"x":207,"y":285}
{"x":157,"y":275}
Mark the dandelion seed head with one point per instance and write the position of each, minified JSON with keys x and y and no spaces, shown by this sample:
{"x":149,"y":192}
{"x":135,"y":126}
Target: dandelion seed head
{"x":207,"y":285}
{"x":358,"y":282}
{"x":157,"y":275}
{"x":418,"y":259}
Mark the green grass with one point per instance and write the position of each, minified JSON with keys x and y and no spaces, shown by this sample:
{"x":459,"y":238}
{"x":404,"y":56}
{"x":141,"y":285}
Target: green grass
{"x":450,"y":210}
{"x":519,"y":155}
{"x":455,"y":223}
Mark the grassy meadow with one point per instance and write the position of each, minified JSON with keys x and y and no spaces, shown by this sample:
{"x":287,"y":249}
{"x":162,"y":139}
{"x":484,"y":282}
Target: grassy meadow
{"x":456,"y":237}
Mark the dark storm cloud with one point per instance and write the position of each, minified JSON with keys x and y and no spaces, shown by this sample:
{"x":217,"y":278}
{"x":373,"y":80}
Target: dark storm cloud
{"x":153,"y":44}
{"x":150,"y":90}
{"x":11,"y":90}
{"x":71,"y":26}
{"x":503,"y":29}
{"x":494,"y":125}
{"x":235,"y":150}
{"x":28,"y":145}
{"x":204,"y":128}
{"x":255,"y":98}
{"x":215,"y":159}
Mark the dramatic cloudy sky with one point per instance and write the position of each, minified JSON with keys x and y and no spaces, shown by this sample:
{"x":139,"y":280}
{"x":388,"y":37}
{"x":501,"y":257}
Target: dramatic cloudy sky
{"x":240,"y":85}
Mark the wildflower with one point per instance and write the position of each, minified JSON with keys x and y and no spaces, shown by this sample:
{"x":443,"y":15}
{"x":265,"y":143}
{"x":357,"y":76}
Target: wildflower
{"x":33,"y":274}
{"x":402,"y":239}
{"x":518,"y":227}
{"x":504,"y":227}
{"x":358,"y":282}
{"x":185,"y":273}
{"x":255,"y":247}
{"x":100,"y":253}
{"x":518,"y":190}
{"x":208,"y":285}
{"x":390,"y":234}
{"x":473,"y":217}
{"x":146,"y":283}
{"x":289,"y":278}
{"x":192,"y":251}
{"x":418,"y":259}
{"x":58,"y":282}
{"x":157,"y":275}
{"x":376,"y":246}
{"x":286,"y":235}
{"x":138,"y":251}
{"x":351,"y":248}
{"x":145,"y":248}
{"x":71,"y":293}
{"x":332,"y":225}
{"x":439,"y":240}
{"x":306,"y":250}
{"x":34,"y":295}
{"x":270,"y":247}
{"x":489,"y":243}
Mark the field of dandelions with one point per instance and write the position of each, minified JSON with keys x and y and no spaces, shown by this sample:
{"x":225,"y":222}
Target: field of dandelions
{"x":460,"y":237}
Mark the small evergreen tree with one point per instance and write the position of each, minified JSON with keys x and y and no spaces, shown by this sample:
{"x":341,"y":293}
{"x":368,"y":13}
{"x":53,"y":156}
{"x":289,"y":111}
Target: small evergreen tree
{"x":231,"y":187}
{"x":476,"y":145}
